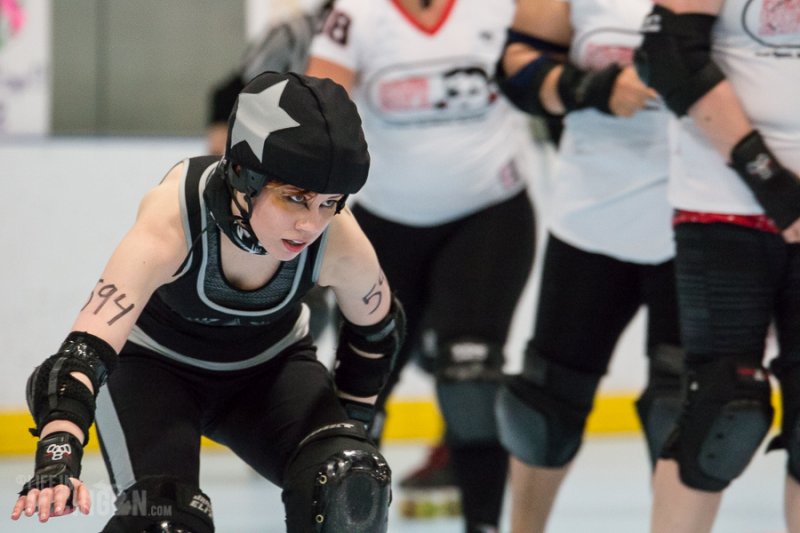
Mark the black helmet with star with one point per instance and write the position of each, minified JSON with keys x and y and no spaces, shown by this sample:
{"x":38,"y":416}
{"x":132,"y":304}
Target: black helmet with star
{"x":299,"y":130}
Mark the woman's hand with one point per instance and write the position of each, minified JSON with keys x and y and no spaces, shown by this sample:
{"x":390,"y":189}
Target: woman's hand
{"x":51,"y":502}
{"x":54,"y":489}
{"x":629,"y":94}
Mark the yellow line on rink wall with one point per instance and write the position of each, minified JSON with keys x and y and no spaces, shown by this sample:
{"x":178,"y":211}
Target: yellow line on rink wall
{"x":408,"y":420}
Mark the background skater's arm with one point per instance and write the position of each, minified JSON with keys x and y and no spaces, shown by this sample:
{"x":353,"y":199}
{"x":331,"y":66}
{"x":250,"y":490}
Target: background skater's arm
{"x":675,"y":58}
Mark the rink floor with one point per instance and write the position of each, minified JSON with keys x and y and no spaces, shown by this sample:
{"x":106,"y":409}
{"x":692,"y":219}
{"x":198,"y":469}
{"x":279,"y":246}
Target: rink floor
{"x":607,"y":491}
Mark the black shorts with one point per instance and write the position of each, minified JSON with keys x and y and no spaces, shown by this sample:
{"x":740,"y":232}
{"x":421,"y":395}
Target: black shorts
{"x":587,"y":300}
{"x":461,"y":279}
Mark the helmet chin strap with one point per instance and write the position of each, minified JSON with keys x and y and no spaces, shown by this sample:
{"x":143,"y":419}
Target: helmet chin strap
{"x":218,"y":195}
{"x":244,"y":236}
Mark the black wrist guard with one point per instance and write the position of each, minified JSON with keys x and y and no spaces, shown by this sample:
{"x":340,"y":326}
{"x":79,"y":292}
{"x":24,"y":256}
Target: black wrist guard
{"x":54,"y":394}
{"x":363,"y":376}
{"x":579,"y":89}
{"x":58,"y":458}
{"x":775,"y":187}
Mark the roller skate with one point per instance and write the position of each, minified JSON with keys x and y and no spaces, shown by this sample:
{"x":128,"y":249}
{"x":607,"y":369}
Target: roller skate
{"x":430,"y":491}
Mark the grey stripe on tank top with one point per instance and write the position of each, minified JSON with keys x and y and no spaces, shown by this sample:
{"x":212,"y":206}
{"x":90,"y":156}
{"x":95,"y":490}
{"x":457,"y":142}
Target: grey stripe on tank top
{"x":299,"y":331}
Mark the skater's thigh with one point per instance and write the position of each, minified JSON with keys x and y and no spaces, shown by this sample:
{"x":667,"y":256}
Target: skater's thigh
{"x":276,"y":410}
{"x":148,"y":421}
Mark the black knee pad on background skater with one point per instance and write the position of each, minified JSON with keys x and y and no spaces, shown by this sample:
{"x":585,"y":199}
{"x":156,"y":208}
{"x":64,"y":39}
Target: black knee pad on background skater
{"x":726,"y":415}
{"x":542,"y":412}
{"x":468,"y":374}
{"x":337,"y":482}
{"x":659,"y":405}
{"x":160,"y":503}
{"x":789,"y":438}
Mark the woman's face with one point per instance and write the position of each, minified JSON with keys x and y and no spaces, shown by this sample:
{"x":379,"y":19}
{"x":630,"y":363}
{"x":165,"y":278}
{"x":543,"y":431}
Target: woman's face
{"x":287,"y":219}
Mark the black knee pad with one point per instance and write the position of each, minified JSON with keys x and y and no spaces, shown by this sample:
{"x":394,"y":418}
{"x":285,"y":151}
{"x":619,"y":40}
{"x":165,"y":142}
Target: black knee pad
{"x":337,"y":482}
{"x":660,"y":403}
{"x":726,"y":414}
{"x":468,"y":374}
{"x":161,"y":504}
{"x":541,"y":413}
{"x":789,"y":437}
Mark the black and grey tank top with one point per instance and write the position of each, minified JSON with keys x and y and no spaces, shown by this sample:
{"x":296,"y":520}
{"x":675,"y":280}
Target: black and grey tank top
{"x":202,"y":320}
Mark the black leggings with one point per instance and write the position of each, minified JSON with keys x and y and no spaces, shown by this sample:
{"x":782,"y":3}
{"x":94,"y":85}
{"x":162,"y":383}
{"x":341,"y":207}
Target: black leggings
{"x":732,"y":282}
{"x":153,"y":412}
{"x":460,"y":279}
{"x":587,"y":300}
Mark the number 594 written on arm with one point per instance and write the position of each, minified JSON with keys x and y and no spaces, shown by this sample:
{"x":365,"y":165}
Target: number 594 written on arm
{"x":108,"y":292}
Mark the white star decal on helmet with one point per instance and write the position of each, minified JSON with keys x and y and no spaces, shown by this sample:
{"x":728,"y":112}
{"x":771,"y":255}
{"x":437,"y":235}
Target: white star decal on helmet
{"x":258,"y":115}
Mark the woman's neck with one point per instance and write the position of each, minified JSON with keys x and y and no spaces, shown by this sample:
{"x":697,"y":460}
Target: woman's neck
{"x":427,"y":13}
{"x":244,"y":270}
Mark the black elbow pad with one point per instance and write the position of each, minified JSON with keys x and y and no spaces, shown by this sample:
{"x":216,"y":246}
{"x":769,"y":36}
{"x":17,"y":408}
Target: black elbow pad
{"x":54,"y":394}
{"x":365,"y":376}
{"x":522,"y":89}
{"x":675,"y":57}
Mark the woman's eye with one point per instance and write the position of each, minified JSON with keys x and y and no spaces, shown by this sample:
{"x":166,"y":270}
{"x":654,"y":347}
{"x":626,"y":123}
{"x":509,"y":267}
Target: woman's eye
{"x":297,"y":198}
{"x":330,"y":203}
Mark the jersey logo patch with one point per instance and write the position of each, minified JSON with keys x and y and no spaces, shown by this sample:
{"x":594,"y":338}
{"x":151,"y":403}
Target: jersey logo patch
{"x":779,"y":17}
{"x":431,"y":93}
{"x":775,"y":24}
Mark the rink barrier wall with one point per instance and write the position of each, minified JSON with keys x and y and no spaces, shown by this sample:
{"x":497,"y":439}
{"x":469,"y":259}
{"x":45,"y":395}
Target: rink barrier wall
{"x":409,"y":420}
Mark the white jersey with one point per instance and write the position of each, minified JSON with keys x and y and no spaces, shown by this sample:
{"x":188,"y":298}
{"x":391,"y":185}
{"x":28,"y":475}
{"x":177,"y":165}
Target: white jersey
{"x":610,"y":190}
{"x":756,"y":43}
{"x":443,"y":142}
